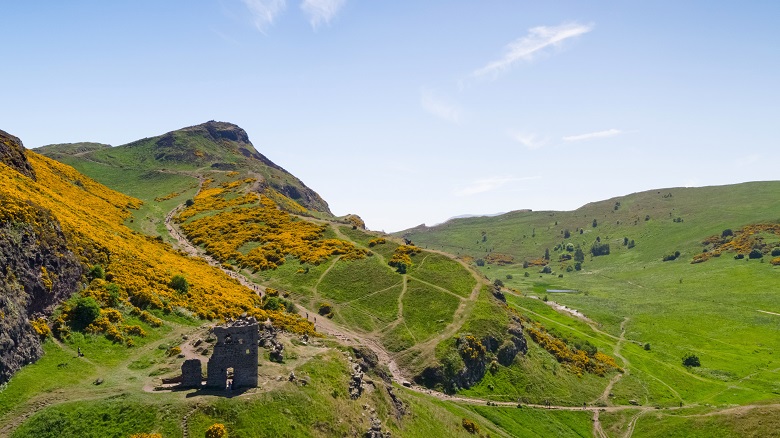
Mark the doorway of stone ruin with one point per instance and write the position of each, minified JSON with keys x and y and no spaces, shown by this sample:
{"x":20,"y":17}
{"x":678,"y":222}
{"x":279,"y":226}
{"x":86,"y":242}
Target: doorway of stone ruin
{"x":229,"y":382}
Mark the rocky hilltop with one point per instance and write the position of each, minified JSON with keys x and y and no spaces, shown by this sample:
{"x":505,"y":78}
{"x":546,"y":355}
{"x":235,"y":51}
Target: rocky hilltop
{"x":219,"y":146}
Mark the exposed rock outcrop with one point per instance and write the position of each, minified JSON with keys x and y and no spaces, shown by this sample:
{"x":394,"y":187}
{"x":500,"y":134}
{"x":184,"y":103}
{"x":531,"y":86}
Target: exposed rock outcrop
{"x":12,"y":154}
{"x":474,"y":356}
{"x":38,"y":272}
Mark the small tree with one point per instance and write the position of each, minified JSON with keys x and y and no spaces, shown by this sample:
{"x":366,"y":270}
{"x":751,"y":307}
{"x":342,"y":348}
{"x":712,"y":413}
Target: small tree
{"x":480,"y":262}
{"x":691,"y":360}
{"x":113,"y":294}
{"x":498,"y":283}
{"x":727,"y":232}
{"x":85,"y":311}
{"x":595,"y":223}
{"x":97,"y":272}
{"x":566,"y":234}
{"x":547,"y":253}
{"x":179,"y":284}
{"x":755,"y":254}
{"x":189,"y":203}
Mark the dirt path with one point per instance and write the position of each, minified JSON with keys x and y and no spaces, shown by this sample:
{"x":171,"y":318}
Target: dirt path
{"x":604,"y":398}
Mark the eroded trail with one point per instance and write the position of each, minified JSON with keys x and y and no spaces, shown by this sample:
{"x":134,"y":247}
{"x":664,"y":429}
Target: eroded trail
{"x":604,"y":398}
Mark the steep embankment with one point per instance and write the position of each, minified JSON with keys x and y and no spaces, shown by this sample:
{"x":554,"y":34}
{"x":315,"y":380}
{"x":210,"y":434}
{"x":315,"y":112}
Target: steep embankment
{"x":39,"y":269}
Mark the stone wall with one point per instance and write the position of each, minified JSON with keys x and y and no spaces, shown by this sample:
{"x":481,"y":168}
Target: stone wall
{"x":191,"y":373}
{"x":236,"y":347}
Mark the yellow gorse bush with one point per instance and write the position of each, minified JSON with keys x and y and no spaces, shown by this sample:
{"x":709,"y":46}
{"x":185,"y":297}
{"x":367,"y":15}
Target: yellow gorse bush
{"x":225,"y":221}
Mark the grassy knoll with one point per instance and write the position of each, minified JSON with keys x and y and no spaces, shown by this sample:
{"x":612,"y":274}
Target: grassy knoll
{"x":352,"y":280}
{"x":735,"y":422}
{"x":115,"y":418}
{"x":427,"y":310}
{"x":443,"y":272}
{"x":525,"y":422}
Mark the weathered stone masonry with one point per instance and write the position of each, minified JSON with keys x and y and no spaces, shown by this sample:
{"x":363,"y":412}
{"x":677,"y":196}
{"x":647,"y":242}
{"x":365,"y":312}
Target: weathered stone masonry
{"x":236,"y":347}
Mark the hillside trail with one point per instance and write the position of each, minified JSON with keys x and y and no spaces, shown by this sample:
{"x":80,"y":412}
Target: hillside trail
{"x":604,"y":398}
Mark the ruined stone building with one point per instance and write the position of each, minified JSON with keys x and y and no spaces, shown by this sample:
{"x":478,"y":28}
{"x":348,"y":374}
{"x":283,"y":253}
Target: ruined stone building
{"x":236,"y":347}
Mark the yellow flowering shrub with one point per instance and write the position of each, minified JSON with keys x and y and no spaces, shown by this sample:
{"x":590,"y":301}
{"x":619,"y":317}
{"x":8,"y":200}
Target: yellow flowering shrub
{"x":46,"y":278}
{"x":402,"y":256}
{"x":741,"y":241}
{"x":242,"y":219}
{"x":217,"y":430}
{"x":378,"y":241}
{"x":166,"y":197}
{"x":41,"y":327}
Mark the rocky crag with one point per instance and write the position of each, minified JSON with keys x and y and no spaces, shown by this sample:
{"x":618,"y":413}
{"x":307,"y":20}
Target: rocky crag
{"x":38,"y":269}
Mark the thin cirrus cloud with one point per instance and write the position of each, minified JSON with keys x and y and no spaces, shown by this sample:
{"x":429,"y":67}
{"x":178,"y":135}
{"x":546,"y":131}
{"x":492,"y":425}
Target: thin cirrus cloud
{"x":530,"y":141}
{"x":321,"y":11}
{"x":440,"y":107}
{"x":264,"y":12}
{"x":488,"y":185}
{"x":592,"y":135}
{"x":526,"y":48}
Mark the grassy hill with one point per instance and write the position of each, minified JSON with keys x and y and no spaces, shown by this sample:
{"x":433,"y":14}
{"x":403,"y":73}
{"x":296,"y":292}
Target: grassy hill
{"x":719,"y":310}
{"x":173,"y":162}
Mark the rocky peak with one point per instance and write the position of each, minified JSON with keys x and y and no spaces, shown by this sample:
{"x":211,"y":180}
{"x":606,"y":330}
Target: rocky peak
{"x":12,"y":154}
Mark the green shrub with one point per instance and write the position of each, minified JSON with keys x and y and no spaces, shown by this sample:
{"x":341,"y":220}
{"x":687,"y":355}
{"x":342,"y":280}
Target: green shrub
{"x":470,"y":426}
{"x":85,"y":311}
{"x":97,"y":272}
{"x":179,"y":284}
{"x":691,"y":360}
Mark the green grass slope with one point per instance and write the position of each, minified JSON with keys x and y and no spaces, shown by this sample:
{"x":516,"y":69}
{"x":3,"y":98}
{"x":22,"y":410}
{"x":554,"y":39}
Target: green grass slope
{"x":723,"y":310}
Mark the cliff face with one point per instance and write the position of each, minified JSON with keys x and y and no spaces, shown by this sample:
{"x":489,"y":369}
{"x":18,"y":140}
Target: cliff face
{"x":12,"y":155}
{"x":37,"y":269}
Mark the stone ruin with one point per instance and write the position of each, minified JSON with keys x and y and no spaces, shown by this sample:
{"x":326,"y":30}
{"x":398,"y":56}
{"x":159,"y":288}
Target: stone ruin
{"x":191,"y":374}
{"x":236,"y":348}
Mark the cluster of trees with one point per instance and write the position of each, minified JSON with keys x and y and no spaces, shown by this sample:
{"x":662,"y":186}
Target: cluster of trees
{"x":670,"y":257}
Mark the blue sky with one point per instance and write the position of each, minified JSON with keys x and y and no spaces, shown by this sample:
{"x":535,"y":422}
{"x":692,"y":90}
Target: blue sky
{"x":409,"y":112}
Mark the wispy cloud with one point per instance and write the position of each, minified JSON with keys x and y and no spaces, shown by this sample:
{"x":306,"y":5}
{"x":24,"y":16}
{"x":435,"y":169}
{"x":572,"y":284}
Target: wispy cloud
{"x":439,"y":107}
{"x":530,"y":141}
{"x":526,"y":48}
{"x":488,"y":185}
{"x":321,"y":11}
{"x":264,"y":12}
{"x":592,"y":135}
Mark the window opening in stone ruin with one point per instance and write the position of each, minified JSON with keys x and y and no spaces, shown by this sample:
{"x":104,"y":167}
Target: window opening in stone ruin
{"x":230,"y":378}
